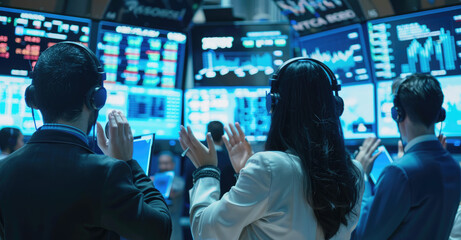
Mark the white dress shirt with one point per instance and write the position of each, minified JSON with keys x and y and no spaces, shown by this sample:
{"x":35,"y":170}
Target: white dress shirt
{"x":267,"y":202}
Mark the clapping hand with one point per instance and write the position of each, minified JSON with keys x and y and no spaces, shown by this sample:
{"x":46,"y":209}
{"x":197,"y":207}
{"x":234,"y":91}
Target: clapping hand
{"x":366,"y":155}
{"x":119,"y":145}
{"x":237,"y":146}
{"x":198,"y":153}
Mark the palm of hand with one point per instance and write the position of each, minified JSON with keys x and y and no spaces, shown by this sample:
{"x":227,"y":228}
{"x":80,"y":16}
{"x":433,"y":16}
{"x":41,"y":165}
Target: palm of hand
{"x":239,"y":154}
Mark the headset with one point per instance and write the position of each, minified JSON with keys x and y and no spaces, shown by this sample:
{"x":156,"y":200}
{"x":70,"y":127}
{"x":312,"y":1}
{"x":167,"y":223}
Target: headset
{"x":398,"y":112}
{"x":273,"y":97}
{"x":95,"y":98}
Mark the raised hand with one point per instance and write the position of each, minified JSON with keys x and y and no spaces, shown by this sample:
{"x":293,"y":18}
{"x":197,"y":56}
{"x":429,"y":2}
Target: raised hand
{"x":366,"y":156}
{"x":198,"y":153}
{"x":237,"y":146}
{"x":119,"y":145}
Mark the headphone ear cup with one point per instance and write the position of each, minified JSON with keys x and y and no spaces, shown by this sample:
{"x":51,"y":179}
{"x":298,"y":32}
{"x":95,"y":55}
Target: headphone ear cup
{"x":397,"y":114}
{"x":271,"y":101}
{"x":96,"y":98}
{"x":339,"y":105}
{"x":442,"y":115}
{"x":30,"y":98}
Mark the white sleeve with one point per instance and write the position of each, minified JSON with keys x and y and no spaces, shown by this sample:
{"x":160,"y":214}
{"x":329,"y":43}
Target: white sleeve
{"x":246,"y":202}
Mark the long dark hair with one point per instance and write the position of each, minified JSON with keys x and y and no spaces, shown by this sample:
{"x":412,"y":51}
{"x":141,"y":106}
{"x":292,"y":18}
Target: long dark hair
{"x":305,"y":122}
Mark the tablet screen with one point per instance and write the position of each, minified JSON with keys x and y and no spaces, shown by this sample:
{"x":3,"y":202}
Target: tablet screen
{"x":381,"y":162}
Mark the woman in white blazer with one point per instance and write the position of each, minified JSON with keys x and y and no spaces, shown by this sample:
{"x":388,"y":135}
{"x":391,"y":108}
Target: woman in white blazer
{"x":304,"y":186}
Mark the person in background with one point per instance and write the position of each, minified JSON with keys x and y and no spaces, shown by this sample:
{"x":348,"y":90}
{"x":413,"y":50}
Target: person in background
{"x":55,"y":187}
{"x":166,"y":162}
{"x":11,"y":139}
{"x":304,"y":186}
{"x":417,"y":196}
{"x":216,"y":129}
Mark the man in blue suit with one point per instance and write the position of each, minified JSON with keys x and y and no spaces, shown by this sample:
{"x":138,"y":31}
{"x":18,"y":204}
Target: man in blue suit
{"x":417,"y":196}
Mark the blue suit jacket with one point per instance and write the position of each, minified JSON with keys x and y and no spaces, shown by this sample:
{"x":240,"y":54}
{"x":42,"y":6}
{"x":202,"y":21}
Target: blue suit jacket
{"x":416,"y":197}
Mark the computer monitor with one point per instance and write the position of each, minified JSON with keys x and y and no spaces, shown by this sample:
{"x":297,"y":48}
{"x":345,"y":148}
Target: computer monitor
{"x":343,"y":50}
{"x":228,"y":105}
{"x":23,"y":36}
{"x":138,"y":56}
{"x":426,"y":42}
{"x":148,"y":110}
{"x":358,"y":118}
{"x":387,"y":127}
{"x":142,"y":151}
{"x":451,"y":87}
{"x":238,"y":54}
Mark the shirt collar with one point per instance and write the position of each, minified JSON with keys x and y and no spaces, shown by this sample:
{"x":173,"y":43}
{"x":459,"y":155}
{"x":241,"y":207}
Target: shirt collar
{"x":420,"y":139}
{"x":66,"y":128}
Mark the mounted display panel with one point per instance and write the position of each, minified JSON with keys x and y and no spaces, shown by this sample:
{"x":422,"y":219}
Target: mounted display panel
{"x":239,"y":54}
{"x":427,"y":42}
{"x":228,"y":105}
{"x":23,"y":36}
{"x":343,"y":50}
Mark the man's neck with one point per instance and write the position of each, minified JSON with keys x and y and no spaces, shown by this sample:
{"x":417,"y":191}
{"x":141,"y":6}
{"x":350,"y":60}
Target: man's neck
{"x":416,"y":131}
{"x":77,"y":124}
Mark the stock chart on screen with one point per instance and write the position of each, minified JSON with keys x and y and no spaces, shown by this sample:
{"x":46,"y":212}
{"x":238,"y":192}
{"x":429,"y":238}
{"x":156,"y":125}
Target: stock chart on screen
{"x":238,"y":55}
{"x":228,"y":105}
{"x":138,"y":56}
{"x":358,"y":118}
{"x":387,"y":127}
{"x":149,"y":110}
{"x":427,"y":42}
{"x":342,"y":50}
{"x":25,"y":34}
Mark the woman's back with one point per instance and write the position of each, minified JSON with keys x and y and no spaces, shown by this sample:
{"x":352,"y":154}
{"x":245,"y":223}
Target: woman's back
{"x":268,"y":202}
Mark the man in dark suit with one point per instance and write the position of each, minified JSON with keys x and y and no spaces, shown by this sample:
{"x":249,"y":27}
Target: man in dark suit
{"x":55,"y":187}
{"x":417,"y":196}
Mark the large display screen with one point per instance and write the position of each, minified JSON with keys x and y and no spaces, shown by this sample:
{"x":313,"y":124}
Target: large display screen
{"x":343,"y":50}
{"x":228,"y":105}
{"x":25,"y":34}
{"x":148,"y":110}
{"x":138,"y":56}
{"x":387,"y":127}
{"x":358,"y":118}
{"x":238,"y":55}
{"x":427,"y":42}
{"x":451,"y":87}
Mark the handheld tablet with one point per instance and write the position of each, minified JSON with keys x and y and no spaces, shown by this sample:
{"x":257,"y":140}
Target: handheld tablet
{"x":381,"y":162}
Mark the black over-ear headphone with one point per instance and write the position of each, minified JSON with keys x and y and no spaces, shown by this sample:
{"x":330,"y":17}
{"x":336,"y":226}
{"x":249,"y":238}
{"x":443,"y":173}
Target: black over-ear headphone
{"x":273,"y":97}
{"x":95,"y":98}
{"x":398,"y":112}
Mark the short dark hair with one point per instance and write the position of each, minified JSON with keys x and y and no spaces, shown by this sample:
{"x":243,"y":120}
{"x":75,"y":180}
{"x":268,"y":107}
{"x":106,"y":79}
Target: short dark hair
{"x":421,"y":97}
{"x":62,"y":77}
{"x":9,"y":138}
{"x":216,"y":128}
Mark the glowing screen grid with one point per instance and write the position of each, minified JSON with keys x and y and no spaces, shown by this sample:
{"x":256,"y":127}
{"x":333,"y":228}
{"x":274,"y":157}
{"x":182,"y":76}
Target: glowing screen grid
{"x":228,"y":105}
{"x":342,"y":50}
{"x":138,"y":56}
{"x":358,"y":118}
{"x":428,"y":42}
{"x":23,"y":36}
{"x":238,"y":55}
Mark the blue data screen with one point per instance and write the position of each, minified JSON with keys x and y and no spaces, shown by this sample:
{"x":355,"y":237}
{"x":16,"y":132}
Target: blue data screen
{"x":228,"y":105}
{"x":358,"y":118}
{"x":343,"y":50}
{"x":427,"y":42}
